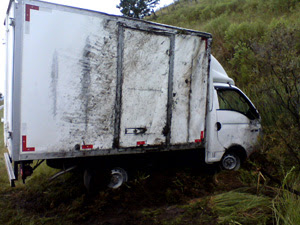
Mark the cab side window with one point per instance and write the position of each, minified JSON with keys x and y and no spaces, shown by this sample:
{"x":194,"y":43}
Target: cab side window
{"x":230,"y":99}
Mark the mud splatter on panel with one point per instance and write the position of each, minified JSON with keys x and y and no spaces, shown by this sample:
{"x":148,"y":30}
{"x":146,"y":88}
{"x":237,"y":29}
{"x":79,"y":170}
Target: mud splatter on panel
{"x":89,"y":112}
{"x":54,"y":79}
{"x":86,"y":80}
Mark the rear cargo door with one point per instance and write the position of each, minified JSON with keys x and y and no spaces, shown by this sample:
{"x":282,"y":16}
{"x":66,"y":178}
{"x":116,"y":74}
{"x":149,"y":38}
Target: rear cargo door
{"x":10,"y":37}
{"x":145,"y":72}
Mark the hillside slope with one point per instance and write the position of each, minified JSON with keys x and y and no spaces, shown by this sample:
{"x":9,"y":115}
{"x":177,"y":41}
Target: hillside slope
{"x":258,"y":43}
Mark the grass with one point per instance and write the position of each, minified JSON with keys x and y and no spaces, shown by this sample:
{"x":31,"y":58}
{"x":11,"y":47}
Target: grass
{"x":233,"y":207}
{"x":195,"y":212}
{"x":236,"y":207}
{"x":286,"y":204}
{"x":286,"y":209}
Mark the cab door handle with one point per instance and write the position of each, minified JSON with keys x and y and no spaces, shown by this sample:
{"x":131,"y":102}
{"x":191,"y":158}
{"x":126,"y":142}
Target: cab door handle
{"x":254,"y":130}
{"x":219,"y":126}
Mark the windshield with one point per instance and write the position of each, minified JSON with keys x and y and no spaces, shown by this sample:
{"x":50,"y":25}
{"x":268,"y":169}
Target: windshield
{"x":234,"y":100}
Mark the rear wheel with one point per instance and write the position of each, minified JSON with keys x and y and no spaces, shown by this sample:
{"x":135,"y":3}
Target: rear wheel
{"x":88,"y":180}
{"x":94,"y":179}
{"x":118,"y":177}
{"x":231,"y":161}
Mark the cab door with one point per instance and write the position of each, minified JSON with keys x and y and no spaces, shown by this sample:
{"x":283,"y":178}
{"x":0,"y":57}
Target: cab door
{"x":238,"y":122}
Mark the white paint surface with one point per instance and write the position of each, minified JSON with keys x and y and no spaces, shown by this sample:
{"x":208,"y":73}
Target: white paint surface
{"x":69,"y":80}
{"x":69,"y":84}
{"x":189,"y":89}
{"x":96,"y":5}
{"x":145,"y":87}
{"x":70,"y":90}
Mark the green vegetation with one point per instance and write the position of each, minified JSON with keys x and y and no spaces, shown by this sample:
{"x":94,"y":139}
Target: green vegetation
{"x":285,"y":204}
{"x":258,"y":43}
{"x":137,"y":8}
{"x":242,"y":208}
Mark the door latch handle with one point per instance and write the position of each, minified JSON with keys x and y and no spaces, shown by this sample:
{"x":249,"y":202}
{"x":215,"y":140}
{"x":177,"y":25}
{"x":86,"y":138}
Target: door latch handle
{"x":136,"y":131}
{"x":219,"y":126}
{"x":254,"y":130}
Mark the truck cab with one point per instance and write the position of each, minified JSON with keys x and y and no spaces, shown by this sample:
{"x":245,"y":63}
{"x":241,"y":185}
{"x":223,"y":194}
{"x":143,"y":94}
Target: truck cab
{"x":234,"y":123}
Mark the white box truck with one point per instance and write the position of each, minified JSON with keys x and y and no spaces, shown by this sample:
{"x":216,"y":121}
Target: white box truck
{"x":86,"y":88}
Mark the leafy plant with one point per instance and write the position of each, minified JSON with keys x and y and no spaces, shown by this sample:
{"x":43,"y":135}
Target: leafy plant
{"x":137,"y":8}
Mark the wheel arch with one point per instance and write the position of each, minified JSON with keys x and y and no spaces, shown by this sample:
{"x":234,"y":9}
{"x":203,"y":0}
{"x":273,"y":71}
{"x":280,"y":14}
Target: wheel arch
{"x":238,"y":150}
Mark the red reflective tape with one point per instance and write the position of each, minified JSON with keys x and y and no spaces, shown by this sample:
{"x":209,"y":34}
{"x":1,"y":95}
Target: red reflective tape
{"x":87,"y":146}
{"x":201,"y":137}
{"x":141,"y":143}
{"x":24,"y":145}
{"x":28,"y":8}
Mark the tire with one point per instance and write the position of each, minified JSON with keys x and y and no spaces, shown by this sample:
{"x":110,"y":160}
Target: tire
{"x":88,"y":180}
{"x":94,"y":180}
{"x":118,"y":177}
{"x":231,"y":161}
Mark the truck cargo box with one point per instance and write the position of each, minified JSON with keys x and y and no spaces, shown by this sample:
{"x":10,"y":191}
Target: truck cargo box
{"x":82,"y":83}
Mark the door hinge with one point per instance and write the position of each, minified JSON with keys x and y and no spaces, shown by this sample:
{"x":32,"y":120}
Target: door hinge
{"x":12,"y":22}
{"x":10,"y":133}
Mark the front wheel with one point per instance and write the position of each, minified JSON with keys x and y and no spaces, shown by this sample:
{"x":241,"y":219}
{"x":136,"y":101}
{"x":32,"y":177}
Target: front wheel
{"x":231,"y":161}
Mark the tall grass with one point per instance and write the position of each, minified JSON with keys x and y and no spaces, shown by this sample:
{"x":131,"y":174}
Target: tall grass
{"x":236,"y":207}
{"x":286,"y":204}
{"x":286,"y":209}
{"x":3,"y":178}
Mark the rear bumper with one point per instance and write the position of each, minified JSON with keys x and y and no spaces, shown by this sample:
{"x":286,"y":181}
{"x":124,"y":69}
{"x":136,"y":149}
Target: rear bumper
{"x":10,"y":171}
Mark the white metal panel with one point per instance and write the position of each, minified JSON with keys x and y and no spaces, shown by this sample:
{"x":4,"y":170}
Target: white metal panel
{"x":145,"y":87}
{"x":189,"y":89}
{"x":68,"y":80}
{"x":214,"y":150}
{"x":236,"y":129}
{"x":8,"y":102}
{"x":218,"y":73}
{"x":72,"y":63}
